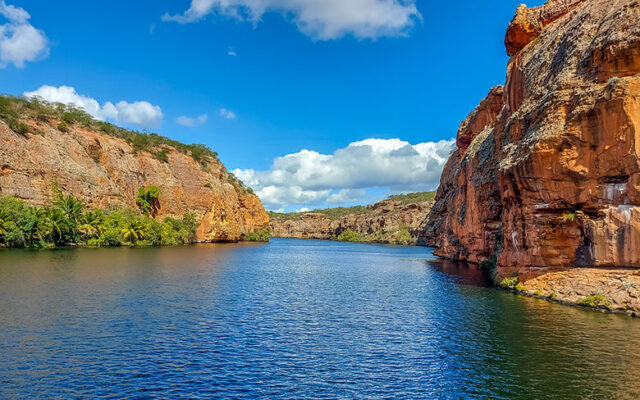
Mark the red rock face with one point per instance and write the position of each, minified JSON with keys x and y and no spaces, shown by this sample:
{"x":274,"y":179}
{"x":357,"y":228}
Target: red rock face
{"x":104,"y":171}
{"x":552,"y":179}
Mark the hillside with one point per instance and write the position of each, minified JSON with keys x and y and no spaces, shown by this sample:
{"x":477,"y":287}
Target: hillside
{"x":394,"y":221}
{"x":42,"y":145}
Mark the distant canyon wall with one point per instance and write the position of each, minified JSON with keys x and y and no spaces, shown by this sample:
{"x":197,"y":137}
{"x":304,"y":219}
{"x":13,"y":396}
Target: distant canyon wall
{"x":392,"y":222}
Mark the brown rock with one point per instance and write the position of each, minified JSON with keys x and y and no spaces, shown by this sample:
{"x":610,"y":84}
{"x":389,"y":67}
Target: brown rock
{"x":105,"y":171}
{"x":554,"y":181}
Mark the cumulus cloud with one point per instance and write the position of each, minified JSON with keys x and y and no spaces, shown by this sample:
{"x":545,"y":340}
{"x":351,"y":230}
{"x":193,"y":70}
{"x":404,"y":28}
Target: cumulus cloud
{"x":321,"y":20}
{"x":19,"y":40}
{"x":140,"y":113}
{"x":228,"y":114}
{"x":192,"y":122}
{"x":310,"y":178}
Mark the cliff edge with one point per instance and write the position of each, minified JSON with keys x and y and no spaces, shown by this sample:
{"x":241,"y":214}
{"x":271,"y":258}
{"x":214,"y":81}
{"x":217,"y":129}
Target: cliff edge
{"x":545,"y":178}
{"x":104,"y":166}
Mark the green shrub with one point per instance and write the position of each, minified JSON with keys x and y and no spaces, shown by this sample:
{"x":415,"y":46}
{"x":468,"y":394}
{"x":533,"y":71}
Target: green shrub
{"x":63,"y":127}
{"x":509,"y":282}
{"x":520,"y":287}
{"x":161,"y":155}
{"x":263,"y":235}
{"x":208,"y":185}
{"x":596,"y":301}
{"x":147,"y":199}
{"x":349,"y":236}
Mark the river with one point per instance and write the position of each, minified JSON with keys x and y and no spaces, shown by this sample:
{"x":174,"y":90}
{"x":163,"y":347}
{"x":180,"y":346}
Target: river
{"x":294,"y":319}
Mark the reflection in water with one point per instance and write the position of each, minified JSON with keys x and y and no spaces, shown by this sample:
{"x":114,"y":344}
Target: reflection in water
{"x":293,"y":319}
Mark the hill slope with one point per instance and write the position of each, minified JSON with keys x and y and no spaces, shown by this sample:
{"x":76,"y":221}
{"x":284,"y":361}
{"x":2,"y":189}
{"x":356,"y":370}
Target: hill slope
{"x":104,"y":166}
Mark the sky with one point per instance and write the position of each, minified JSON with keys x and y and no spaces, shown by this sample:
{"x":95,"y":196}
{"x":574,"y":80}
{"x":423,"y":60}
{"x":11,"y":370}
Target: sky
{"x":313,"y":103}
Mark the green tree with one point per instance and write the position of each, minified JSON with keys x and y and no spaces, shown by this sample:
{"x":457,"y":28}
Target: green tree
{"x":147,"y":200}
{"x":134,"y":231}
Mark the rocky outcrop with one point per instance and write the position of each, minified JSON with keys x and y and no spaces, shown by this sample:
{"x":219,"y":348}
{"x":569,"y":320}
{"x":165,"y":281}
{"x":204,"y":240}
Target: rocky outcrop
{"x":551,"y":182}
{"x":105,"y":171}
{"x":390,"y":221}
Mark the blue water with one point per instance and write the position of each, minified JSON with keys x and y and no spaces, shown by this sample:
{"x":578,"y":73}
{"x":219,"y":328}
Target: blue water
{"x":293,"y":319}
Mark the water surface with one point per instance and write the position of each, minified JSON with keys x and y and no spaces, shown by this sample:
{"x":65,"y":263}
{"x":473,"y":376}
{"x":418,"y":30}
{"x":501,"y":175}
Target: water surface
{"x":293,"y":319}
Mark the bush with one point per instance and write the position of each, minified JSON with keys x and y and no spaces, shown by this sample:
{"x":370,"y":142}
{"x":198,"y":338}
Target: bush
{"x":509,"y":283}
{"x":263,"y":235}
{"x":63,"y":127}
{"x":348,"y":236}
{"x":161,"y":155}
{"x":596,"y":301}
{"x":147,"y":199}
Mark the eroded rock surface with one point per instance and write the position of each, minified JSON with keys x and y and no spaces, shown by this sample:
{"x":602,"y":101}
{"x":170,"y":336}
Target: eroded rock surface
{"x":389,"y":221}
{"x":104,"y":171}
{"x":553,"y":181}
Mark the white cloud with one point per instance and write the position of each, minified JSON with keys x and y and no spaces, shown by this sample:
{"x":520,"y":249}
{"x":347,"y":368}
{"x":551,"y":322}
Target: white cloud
{"x":19,"y":40}
{"x":192,"y":122}
{"x":228,"y":114}
{"x":319,"y":19}
{"x":140,"y":112}
{"x":310,"y":178}
{"x":346,"y":196}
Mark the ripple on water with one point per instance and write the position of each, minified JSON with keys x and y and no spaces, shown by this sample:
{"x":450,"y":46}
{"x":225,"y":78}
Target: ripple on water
{"x":290,"y":320}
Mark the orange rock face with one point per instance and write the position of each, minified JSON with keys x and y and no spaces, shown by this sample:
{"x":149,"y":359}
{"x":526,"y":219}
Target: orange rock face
{"x":104,"y":171}
{"x":383,"y":222}
{"x":553,"y":180}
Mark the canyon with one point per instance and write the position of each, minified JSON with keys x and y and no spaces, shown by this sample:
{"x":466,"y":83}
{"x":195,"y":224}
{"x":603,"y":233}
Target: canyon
{"x":544,"y":183}
{"x":396,"y":220}
{"x":104,"y":166}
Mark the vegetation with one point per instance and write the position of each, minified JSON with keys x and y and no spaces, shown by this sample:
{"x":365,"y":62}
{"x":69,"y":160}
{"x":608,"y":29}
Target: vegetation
{"x":331,"y":213}
{"x":15,"y":109}
{"x":509,"y":282}
{"x":339,"y":212}
{"x":68,"y":222}
{"x":349,"y":236}
{"x":413,"y":197}
{"x":596,"y":301}
{"x":572,"y":216}
{"x":238,"y":184}
{"x":262,"y":236}
{"x":147,"y":199}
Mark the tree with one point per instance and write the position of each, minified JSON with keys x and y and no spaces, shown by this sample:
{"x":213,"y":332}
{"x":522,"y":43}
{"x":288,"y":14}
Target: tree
{"x":135,"y":230}
{"x":92,"y":224}
{"x":148,"y":201}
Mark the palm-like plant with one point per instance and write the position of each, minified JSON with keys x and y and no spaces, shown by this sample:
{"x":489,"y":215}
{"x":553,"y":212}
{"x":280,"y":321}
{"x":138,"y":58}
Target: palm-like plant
{"x":134,"y":231}
{"x":92,"y":223}
{"x":37,"y":225}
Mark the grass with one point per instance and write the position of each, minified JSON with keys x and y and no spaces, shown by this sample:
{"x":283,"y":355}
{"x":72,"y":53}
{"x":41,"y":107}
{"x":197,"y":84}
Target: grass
{"x":15,"y":110}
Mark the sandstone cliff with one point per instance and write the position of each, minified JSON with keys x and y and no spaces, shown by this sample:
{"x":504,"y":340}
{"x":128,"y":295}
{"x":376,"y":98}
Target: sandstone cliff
{"x":546,"y":174}
{"x":394,"y":221}
{"x":105,"y":170}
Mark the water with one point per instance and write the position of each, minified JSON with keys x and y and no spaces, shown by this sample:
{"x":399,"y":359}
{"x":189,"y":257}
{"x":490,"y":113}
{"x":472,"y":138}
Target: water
{"x":293,"y":319}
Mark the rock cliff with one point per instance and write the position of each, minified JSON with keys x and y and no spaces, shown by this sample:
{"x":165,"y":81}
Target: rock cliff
{"x":390,"y":221}
{"x":546,"y":174}
{"x":104,"y":170}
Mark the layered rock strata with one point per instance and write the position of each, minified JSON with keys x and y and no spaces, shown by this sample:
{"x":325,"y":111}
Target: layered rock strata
{"x":549,"y":180}
{"x":391,"y":222}
{"x":105,"y":171}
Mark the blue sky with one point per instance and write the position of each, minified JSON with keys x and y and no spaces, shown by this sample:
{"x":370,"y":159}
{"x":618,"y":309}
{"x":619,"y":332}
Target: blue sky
{"x":287,"y":86}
